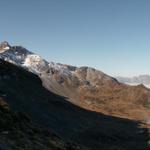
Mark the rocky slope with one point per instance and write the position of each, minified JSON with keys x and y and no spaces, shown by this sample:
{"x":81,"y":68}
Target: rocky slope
{"x":34,"y":110}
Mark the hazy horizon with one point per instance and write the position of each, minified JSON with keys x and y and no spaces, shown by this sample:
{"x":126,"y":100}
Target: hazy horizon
{"x":111,"y":36}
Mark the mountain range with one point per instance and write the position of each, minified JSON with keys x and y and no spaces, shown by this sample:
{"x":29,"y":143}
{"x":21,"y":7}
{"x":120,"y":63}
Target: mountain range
{"x":84,"y":107}
{"x":136,"y":80}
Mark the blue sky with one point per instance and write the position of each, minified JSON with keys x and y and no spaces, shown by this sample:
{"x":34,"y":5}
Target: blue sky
{"x":110,"y":35}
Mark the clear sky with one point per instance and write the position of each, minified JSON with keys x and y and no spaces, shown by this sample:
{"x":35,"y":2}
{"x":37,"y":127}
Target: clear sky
{"x":110,"y":35}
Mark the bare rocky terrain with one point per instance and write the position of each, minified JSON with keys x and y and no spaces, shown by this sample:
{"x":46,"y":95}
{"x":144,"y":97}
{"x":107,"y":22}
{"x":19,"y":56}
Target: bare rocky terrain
{"x":94,"y":90}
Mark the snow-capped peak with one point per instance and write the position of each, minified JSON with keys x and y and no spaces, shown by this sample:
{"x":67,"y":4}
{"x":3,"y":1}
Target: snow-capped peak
{"x":26,"y":59}
{"x":22,"y":57}
{"x":35,"y":63}
{"x":30,"y":59}
{"x":4,"y":46}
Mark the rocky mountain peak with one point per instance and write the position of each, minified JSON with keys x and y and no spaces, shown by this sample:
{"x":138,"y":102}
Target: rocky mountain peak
{"x":4,"y":46}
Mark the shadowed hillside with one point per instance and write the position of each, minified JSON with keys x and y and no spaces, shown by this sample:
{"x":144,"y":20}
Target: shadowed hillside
{"x":24,"y":93}
{"x":18,"y":132}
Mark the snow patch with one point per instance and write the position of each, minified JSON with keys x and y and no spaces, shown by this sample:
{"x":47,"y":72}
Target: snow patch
{"x":6,"y":48}
{"x":135,"y":84}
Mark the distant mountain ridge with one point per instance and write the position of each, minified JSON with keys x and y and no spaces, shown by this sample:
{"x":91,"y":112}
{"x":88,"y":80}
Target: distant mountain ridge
{"x":136,"y":80}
